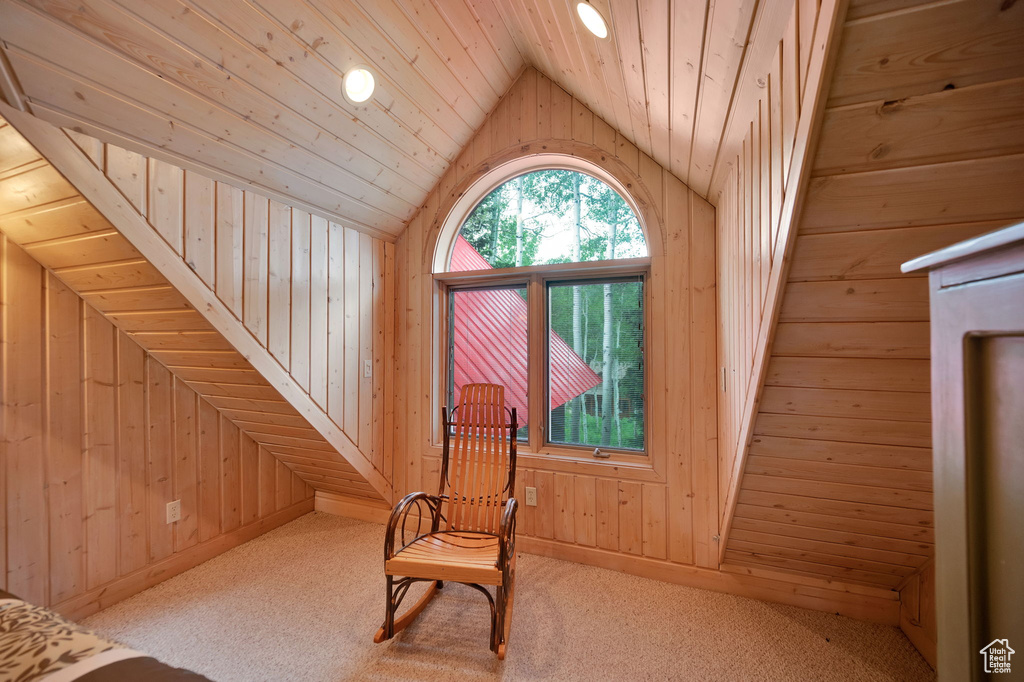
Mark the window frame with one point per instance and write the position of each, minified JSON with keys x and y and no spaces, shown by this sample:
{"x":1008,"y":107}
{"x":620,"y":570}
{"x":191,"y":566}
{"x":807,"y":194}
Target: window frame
{"x":452,"y":213}
{"x":536,"y":279}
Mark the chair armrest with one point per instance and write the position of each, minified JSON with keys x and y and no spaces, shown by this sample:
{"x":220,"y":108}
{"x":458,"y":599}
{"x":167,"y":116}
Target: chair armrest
{"x":507,"y":532}
{"x":422,"y":502}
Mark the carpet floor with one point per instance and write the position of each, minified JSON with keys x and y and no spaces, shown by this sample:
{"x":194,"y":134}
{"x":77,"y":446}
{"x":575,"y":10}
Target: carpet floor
{"x":302,"y":602}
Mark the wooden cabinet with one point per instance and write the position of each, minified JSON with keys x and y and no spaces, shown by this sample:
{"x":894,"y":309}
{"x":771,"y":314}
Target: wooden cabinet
{"x":977,"y":328}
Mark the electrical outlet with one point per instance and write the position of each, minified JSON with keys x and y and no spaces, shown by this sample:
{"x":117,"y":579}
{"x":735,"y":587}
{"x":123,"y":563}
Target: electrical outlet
{"x":174,"y":511}
{"x":531,"y":497}
{"x":367,"y":369}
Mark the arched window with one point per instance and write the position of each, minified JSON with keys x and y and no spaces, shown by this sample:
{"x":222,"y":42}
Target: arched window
{"x":550,"y":216}
{"x":545,"y":295}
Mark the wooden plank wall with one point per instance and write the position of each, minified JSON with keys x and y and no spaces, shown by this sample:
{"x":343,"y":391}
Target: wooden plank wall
{"x":750,"y":230}
{"x":97,"y":435}
{"x":311,"y":291}
{"x":668,"y":511}
{"x":191,"y":216}
{"x":266,"y":112}
{"x":922,"y":145}
{"x":661,"y":520}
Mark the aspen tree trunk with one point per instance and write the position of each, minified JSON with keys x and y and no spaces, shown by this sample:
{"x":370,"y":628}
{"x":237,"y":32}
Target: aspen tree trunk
{"x":494,"y":231}
{"x":519,"y":222}
{"x":607,"y":409}
{"x":575,"y":420}
{"x":615,"y":400}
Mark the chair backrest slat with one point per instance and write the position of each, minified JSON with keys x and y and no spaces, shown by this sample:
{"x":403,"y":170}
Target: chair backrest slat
{"x":478,"y":459}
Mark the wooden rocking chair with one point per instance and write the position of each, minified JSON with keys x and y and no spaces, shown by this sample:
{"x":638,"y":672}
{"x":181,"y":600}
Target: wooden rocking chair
{"x":472,"y":529}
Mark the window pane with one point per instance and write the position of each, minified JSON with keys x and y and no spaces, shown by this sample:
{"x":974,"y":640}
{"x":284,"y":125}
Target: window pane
{"x":548,"y":216}
{"x":487,"y":344}
{"x":596,"y":364}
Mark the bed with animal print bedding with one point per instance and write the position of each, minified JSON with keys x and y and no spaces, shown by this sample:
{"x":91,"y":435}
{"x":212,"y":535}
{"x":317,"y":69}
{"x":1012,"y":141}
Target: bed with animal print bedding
{"x":37,"y":645}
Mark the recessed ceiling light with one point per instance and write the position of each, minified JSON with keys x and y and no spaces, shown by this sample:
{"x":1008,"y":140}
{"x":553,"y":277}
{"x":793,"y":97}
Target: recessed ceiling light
{"x":358,"y":85}
{"x":592,"y":19}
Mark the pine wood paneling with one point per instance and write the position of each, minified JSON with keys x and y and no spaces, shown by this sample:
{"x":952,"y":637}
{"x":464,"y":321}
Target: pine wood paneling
{"x":673,"y":78}
{"x":918,"y":150}
{"x":255,"y":254}
{"x":658,"y":511}
{"x":754,"y":214}
{"x":27,"y":527}
{"x":279,"y":274}
{"x":828,"y":402}
{"x":177,"y":91}
{"x":873,"y":254}
{"x":159,"y":458}
{"x":231,"y":476}
{"x":872,"y":374}
{"x":100,"y":440}
{"x":873,"y":301}
{"x":845,"y":429}
{"x":946,"y":125}
{"x":131,"y":447}
{"x":64,"y":423}
{"x":925,"y":50}
{"x":117,"y":438}
{"x":186,"y":483}
{"x":822,"y":450}
{"x":954,"y":192}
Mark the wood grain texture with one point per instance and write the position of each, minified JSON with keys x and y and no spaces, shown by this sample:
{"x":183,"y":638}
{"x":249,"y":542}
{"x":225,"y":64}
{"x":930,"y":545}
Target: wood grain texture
{"x":757,"y":217}
{"x":297,"y":140}
{"x":660,"y":509}
{"x":929,"y":48}
{"x":674,"y":79}
{"x":918,"y":148}
{"x":259,"y":280}
{"x":119,"y":438}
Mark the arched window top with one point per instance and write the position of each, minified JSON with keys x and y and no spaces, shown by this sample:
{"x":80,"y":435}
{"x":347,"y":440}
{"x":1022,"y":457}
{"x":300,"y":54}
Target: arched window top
{"x":545,"y":217}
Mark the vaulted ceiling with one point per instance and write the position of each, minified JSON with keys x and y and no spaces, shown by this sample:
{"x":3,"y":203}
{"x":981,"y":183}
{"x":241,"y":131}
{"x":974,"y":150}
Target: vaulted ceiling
{"x":249,"y":90}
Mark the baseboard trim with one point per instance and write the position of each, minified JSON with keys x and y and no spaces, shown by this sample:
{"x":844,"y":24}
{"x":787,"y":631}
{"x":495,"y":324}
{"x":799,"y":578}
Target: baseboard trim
{"x":121,"y":588}
{"x":340,"y":505}
{"x":862,"y":602}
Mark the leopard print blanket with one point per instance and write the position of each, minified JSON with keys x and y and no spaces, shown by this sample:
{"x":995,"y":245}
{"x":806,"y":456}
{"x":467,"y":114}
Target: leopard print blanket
{"x":35,"y":643}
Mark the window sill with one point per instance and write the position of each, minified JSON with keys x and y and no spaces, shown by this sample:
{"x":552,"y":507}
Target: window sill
{"x":572,"y":461}
{"x":629,"y":467}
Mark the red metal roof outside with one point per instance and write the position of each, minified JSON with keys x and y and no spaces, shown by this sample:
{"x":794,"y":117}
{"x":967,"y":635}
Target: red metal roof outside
{"x":490,"y":340}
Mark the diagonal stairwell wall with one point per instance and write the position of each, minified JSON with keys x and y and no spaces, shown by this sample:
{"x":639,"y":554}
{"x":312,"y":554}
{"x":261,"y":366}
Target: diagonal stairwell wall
{"x":279,"y":319}
{"x":96,"y":434}
{"x":921,"y":145}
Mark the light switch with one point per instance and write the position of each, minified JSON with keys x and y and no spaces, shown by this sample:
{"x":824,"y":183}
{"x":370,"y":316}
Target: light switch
{"x":367,"y":369}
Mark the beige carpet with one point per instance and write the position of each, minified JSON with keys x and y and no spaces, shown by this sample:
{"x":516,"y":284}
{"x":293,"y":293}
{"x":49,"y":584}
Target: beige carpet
{"x":302,"y":603}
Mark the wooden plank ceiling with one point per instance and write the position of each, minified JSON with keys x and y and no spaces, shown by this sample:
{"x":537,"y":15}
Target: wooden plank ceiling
{"x":44,"y":214}
{"x":922,"y":145}
{"x":249,"y":90}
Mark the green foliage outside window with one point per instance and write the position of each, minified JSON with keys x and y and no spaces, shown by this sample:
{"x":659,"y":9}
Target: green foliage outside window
{"x":532,"y":220}
{"x":560,"y":216}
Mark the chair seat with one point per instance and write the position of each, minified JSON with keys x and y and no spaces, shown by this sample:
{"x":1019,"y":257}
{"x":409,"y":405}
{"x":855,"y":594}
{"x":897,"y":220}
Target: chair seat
{"x":449,"y":555}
